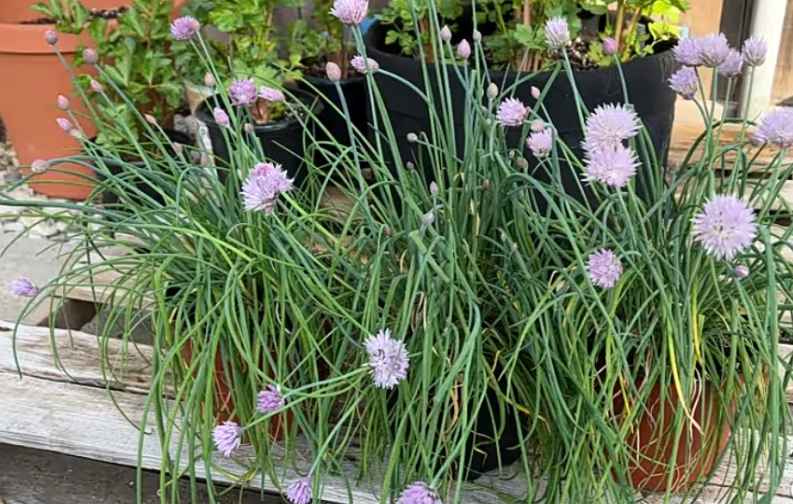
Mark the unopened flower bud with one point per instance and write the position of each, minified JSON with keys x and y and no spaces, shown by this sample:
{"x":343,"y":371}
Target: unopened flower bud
{"x":492,"y":91}
{"x":535,"y":92}
{"x":486,"y":185}
{"x":150,"y":119}
{"x":90,"y":56}
{"x":209,"y":80}
{"x":333,"y":71}
{"x":409,"y":165}
{"x":610,"y":46}
{"x":522,"y":164}
{"x":446,"y":34}
{"x":96,"y":86}
{"x":537,"y":125}
{"x":477,"y":36}
{"x":741,"y":271}
{"x":464,"y":49}
{"x":248,"y":128}
{"x":51,"y":36}
{"x":39,"y":166}
{"x":64,"y":124}
{"x":388,"y":231}
{"x":77,"y":134}
{"x":63,"y":102}
{"x":412,"y":137}
{"x":433,"y":188}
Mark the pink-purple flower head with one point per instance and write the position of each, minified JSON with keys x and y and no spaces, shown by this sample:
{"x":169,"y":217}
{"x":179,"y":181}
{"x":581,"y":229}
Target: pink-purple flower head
{"x":610,"y":46}
{"x":687,"y":52}
{"x":270,"y":400}
{"x":512,"y":113}
{"x":610,"y":125}
{"x":185,"y":28}
{"x":776,"y":128}
{"x":351,"y":12}
{"x":221,"y":117}
{"x":227,"y":437}
{"x":419,"y":493}
{"x":713,"y":49}
{"x":23,"y":287}
{"x":388,"y":359}
{"x":732,"y":65}
{"x":271,"y":94}
{"x":364,"y":65}
{"x":725,"y":227}
{"x":90,"y":56}
{"x":613,"y":166}
{"x":557,"y":33}
{"x":741,"y":271}
{"x":299,"y":491}
{"x":685,"y":82}
{"x":604,"y":268}
{"x":51,"y":36}
{"x":265,"y":183}
{"x":754,"y":50}
{"x":540,"y":142}
{"x":243,"y":92}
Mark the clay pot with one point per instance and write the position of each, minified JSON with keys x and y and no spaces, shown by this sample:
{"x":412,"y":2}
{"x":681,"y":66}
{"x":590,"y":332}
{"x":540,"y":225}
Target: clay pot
{"x":17,"y":11}
{"x":33,"y":77}
{"x":700,"y":445}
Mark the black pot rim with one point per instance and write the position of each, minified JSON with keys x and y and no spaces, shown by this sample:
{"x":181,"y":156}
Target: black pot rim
{"x":324,"y":80}
{"x":204,"y":115}
{"x":376,"y":52}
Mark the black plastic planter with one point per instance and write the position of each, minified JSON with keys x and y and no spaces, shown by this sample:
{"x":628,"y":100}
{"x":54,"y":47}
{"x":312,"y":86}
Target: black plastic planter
{"x":149,"y":186}
{"x":646,"y":82}
{"x":354,"y":90}
{"x":282,"y":141}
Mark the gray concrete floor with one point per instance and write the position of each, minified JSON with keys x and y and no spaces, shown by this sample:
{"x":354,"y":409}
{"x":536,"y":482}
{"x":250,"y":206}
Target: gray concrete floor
{"x":37,"y":477}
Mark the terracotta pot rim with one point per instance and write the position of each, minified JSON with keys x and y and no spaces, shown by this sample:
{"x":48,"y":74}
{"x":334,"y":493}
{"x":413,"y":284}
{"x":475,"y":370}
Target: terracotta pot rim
{"x":29,"y":39}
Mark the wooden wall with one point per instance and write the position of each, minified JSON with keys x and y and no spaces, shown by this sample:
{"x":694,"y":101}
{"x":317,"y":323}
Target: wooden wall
{"x":783,"y":80}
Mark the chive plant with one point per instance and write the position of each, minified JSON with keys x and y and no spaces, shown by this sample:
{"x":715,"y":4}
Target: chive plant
{"x":456,"y":310}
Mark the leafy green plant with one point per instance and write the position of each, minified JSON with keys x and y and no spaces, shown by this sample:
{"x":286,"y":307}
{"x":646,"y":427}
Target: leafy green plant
{"x":136,"y":56}
{"x":403,"y":16}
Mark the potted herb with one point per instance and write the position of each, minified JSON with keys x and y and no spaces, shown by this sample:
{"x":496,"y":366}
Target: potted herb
{"x":513,"y":39}
{"x":253,"y":79}
{"x":16,"y":11}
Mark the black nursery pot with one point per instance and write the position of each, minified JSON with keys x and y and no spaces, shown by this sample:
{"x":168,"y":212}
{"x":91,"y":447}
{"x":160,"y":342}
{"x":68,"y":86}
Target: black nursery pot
{"x":147,"y":187}
{"x":646,"y":82}
{"x":282,"y":141}
{"x":354,"y":90}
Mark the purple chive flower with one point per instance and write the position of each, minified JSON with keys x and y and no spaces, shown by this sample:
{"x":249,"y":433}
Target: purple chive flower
{"x":754,"y":49}
{"x":741,"y":271}
{"x":299,"y":492}
{"x":350,"y":12}
{"x":610,"y":46}
{"x":243,"y":92}
{"x":725,"y":226}
{"x":261,"y":189}
{"x":418,"y":493}
{"x":464,"y":49}
{"x":687,"y":52}
{"x":270,"y":400}
{"x":613,"y":166}
{"x":685,"y":82}
{"x":776,"y":128}
{"x":227,"y":437}
{"x":220,"y":116}
{"x":23,"y":287}
{"x":63,"y":102}
{"x":185,"y":28}
{"x":557,"y":33}
{"x":65,"y":124}
{"x":363,"y":65}
{"x":51,"y":36}
{"x":446,"y":34}
{"x":388,"y":359}
{"x":333,"y":71}
{"x":90,"y":56}
{"x":713,"y":49}
{"x":609,"y":125}
{"x":511,"y":112}
{"x":540,"y":143}
{"x":271,"y":94}
{"x":604,"y":268}
{"x":732,"y":65}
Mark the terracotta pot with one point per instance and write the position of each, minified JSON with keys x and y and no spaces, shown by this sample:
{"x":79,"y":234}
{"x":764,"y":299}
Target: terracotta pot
{"x":33,"y":76}
{"x":700,"y":445}
{"x":16,"y":11}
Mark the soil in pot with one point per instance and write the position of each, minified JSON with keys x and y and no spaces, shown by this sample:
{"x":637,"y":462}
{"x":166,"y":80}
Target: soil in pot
{"x":282,"y":141}
{"x":354,"y":90}
{"x":653,"y":440}
{"x":646,"y":82}
{"x":18,"y":11}
{"x":146,"y":186}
